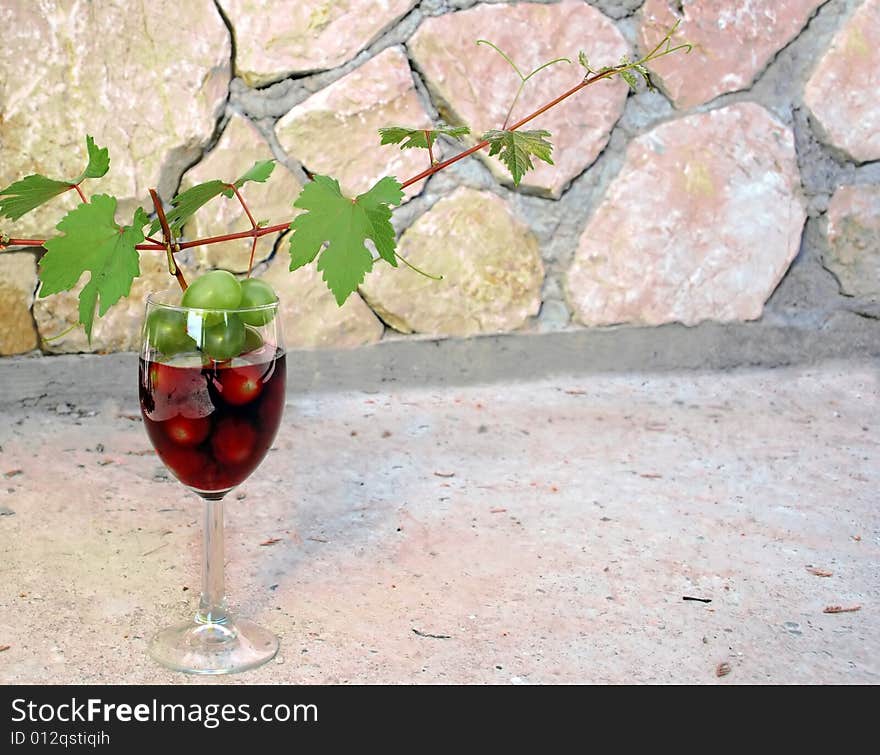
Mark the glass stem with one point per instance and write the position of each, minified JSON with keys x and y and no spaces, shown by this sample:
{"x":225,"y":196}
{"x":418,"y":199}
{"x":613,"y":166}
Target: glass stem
{"x":212,"y":608}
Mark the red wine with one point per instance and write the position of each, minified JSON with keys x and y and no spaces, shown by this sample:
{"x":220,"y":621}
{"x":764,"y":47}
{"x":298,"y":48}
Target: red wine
{"x":212,"y":424}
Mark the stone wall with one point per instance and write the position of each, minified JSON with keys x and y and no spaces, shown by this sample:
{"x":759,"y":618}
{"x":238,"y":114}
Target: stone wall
{"x":747,"y":188}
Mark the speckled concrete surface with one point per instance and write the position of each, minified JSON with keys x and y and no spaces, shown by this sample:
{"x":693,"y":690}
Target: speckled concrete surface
{"x":546,"y":532}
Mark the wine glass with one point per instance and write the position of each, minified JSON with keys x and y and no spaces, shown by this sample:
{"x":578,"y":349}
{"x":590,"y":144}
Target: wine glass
{"x":212,"y":393}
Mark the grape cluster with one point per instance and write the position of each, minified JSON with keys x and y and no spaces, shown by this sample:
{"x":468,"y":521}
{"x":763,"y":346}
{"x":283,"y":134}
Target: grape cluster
{"x":219,"y":316}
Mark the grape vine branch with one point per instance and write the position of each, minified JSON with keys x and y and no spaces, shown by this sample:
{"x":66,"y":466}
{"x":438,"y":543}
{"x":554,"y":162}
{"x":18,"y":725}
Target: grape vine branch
{"x":333,"y":229}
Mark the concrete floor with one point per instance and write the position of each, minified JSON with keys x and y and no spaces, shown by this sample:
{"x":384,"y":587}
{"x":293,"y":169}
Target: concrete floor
{"x":543,"y":532}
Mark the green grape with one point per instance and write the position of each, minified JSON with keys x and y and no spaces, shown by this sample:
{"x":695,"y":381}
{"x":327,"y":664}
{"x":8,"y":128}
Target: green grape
{"x":217,"y":289}
{"x":252,"y":339}
{"x":224,"y":340}
{"x":166,"y":332}
{"x":256,"y":293}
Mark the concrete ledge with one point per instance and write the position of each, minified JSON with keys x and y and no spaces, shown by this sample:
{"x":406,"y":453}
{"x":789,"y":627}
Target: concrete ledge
{"x":88,"y":379}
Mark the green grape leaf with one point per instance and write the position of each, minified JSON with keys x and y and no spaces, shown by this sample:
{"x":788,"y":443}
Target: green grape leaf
{"x":630,"y":78}
{"x":582,"y":59}
{"x":93,"y":242}
{"x":99,"y":161}
{"x":343,"y":224}
{"x":420,"y":138}
{"x":188,"y":202}
{"x":645,"y":74}
{"x":29,"y":193}
{"x":259,"y":172}
{"x":516,"y":149}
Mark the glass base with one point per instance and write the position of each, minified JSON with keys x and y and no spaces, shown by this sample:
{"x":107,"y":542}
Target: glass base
{"x":209,"y":648}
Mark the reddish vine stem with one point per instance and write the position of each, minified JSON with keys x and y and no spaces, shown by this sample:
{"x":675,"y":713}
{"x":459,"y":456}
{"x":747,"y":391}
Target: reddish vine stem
{"x":173,"y":267}
{"x":485,"y":143}
{"x":80,"y":192}
{"x":251,"y":258}
{"x":254,"y":227}
{"x":244,"y":206}
{"x":256,"y":231}
{"x":23,"y":242}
